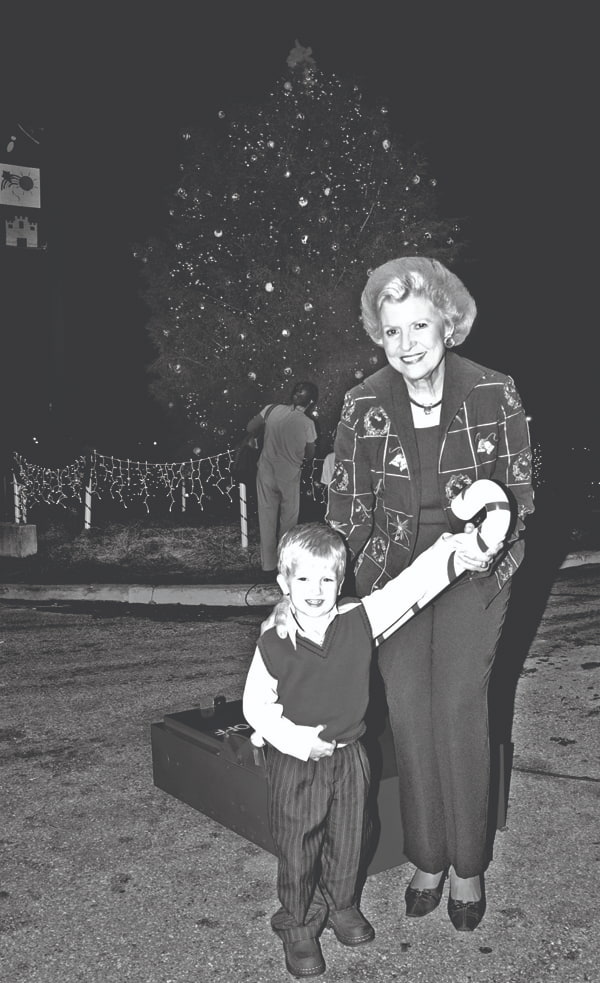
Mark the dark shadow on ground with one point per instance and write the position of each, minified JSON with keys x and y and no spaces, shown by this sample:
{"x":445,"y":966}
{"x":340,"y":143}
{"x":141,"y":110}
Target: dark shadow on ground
{"x":548,"y":541}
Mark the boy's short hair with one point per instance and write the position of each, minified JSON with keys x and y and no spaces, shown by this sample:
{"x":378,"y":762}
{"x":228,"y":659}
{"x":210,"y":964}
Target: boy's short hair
{"x":315,"y":538}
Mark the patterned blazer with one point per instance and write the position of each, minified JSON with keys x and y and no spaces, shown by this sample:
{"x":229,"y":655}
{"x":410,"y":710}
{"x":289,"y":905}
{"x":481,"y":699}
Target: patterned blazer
{"x":375,"y":493}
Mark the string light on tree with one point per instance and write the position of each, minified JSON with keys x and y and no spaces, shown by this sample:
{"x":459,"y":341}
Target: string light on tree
{"x":274,"y":219}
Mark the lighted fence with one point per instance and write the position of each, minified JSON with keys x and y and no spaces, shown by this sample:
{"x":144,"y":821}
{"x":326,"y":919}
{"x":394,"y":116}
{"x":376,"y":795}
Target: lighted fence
{"x":100,"y":476}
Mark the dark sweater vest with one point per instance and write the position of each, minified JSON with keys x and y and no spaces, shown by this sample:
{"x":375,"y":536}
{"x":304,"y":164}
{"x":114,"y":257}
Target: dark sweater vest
{"x":326,"y":684}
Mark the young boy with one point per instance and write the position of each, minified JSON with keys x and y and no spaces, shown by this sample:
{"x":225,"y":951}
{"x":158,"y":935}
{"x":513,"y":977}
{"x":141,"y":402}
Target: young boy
{"x":306,"y":695}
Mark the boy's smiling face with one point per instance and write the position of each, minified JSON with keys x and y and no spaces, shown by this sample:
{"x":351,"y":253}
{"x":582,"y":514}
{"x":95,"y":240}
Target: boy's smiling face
{"x":313,"y":586}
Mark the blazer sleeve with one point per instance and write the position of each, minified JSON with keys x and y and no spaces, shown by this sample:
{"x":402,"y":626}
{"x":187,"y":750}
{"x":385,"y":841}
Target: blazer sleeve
{"x":351,"y":501}
{"x":513,"y":464}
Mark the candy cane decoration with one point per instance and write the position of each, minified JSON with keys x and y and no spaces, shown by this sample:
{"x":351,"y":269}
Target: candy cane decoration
{"x":243,"y":515}
{"x":482,"y":494}
{"x":17,"y":501}
{"x":87,"y":513}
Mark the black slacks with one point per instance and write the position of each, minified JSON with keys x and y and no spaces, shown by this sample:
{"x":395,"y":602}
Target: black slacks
{"x":436,"y":671}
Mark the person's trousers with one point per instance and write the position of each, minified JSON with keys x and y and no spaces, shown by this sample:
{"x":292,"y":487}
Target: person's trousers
{"x":436,"y":670}
{"x":317,"y":817}
{"x":278,"y":510}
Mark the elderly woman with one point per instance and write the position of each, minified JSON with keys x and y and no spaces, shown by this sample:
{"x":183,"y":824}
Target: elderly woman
{"x":411,"y":437}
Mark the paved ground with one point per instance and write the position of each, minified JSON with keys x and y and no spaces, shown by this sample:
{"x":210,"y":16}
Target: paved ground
{"x":105,"y":877}
{"x":247,"y":594}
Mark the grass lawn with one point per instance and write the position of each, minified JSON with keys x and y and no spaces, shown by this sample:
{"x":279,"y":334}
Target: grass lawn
{"x":125,"y":547}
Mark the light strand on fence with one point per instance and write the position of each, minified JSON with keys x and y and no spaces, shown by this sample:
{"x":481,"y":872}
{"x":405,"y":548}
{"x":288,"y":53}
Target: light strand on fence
{"x":52,"y":486}
{"x":126,"y":481}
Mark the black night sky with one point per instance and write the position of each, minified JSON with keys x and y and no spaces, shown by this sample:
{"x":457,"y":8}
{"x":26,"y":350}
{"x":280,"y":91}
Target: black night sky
{"x":501,"y":94}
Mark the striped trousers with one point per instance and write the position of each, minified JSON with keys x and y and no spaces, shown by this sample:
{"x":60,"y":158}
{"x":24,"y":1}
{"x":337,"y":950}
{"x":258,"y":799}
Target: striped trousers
{"x":317,"y":816}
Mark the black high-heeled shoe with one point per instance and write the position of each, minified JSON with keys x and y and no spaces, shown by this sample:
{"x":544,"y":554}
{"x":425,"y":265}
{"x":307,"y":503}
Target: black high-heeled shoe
{"x":422,"y":901}
{"x":466,"y":915}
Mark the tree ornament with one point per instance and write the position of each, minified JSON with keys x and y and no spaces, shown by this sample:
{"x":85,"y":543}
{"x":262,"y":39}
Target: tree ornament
{"x":359,"y":374}
{"x":287,"y":370}
{"x":269,"y":288}
{"x":197,"y":451}
{"x":261,"y":237}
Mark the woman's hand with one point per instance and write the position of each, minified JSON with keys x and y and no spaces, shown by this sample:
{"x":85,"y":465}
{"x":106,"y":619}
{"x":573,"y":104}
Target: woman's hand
{"x":468,"y":556}
{"x":278,"y":618}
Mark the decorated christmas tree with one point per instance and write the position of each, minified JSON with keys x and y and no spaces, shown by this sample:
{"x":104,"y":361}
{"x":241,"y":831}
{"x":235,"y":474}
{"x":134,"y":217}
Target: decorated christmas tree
{"x":276,"y":217}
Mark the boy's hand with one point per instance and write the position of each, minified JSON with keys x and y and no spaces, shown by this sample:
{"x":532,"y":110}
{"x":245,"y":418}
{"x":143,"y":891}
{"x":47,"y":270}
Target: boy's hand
{"x":467,"y":554}
{"x":278,"y":618}
{"x":321,"y":749}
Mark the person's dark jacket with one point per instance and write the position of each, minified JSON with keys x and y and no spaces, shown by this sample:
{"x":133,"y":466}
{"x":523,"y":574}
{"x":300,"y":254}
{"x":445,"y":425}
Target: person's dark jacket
{"x":374,"y":496}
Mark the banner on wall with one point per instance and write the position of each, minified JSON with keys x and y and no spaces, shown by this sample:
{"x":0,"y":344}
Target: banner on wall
{"x":20,"y":185}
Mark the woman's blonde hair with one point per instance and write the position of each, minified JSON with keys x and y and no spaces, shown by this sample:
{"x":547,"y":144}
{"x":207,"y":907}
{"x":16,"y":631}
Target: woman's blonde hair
{"x":421,"y":277}
{"x":315,"y":539}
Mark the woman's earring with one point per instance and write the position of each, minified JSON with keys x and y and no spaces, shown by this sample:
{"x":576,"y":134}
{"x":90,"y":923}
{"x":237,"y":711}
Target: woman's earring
{"x":449,"y":341}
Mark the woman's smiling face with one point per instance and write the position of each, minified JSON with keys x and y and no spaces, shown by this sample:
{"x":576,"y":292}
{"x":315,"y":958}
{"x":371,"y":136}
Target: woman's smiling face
{"x":413,"y":333}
